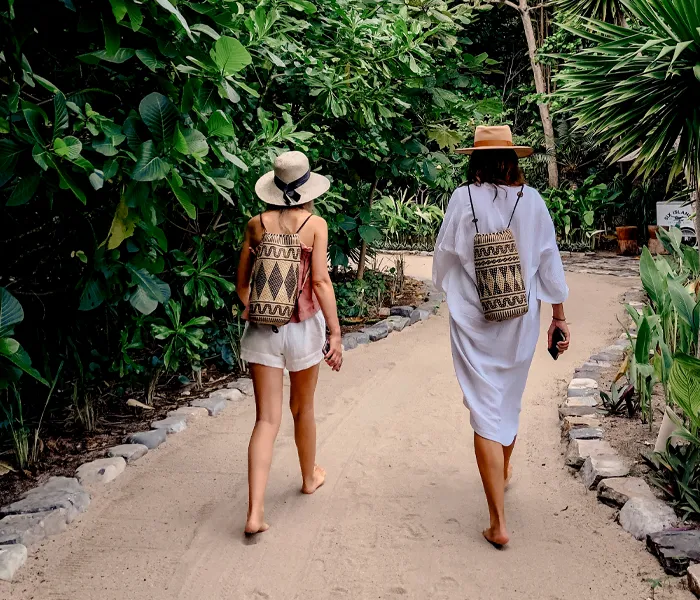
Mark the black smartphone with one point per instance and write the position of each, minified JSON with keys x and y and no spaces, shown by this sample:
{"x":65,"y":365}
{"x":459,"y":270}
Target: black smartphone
{"x":557,"y":336}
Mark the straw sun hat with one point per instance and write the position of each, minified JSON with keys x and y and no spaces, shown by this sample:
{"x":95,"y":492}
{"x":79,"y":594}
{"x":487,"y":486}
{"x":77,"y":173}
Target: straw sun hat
{"x":291,"y":182}
{"x":496,"y":137}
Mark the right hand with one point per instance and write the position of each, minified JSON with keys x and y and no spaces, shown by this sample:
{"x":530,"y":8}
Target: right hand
{"x":564,"y":327}
{"x":334,"y":356}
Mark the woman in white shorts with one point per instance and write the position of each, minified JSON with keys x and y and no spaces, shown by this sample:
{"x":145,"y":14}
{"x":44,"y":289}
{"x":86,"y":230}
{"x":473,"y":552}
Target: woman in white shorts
{"x":302,"y":344}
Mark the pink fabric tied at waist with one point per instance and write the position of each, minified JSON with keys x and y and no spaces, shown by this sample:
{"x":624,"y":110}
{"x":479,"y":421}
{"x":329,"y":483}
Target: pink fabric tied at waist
{"x":307,"y":304}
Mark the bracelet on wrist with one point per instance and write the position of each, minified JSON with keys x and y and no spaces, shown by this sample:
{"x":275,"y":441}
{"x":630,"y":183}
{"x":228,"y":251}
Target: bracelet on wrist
{"x":561,"y":320}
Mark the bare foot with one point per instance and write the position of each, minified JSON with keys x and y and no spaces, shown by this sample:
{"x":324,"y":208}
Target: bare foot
{"x":497,"y":537}
{"x":317,"y":481}
{"x":509,"y":477}
{"x":255,"y":525}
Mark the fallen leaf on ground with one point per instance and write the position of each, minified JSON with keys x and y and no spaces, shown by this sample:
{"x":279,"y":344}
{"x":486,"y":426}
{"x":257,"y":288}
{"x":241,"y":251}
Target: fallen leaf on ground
{"x":137,"y":404}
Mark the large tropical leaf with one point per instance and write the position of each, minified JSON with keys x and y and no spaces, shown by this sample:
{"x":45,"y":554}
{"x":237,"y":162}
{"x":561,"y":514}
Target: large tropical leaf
{"x":603,"y":10}
{"x":654,"y":284}
{"x":11,"y":313}
{"x":149,"y":166}
{"x":637,"y":87}
{"x":159,"y":115}
{"x":229,"y":55}
{"x":684,"y":386}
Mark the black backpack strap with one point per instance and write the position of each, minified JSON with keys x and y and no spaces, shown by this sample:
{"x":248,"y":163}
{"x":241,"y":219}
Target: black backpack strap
{"x":475,"y":220}
{"x":304,"y":223}
{"x":520,"y":195}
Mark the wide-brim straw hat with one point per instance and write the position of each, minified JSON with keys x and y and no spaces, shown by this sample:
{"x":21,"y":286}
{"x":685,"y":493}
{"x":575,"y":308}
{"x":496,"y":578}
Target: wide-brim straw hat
{"x":497,"y":137}
{"x":291,"y":182}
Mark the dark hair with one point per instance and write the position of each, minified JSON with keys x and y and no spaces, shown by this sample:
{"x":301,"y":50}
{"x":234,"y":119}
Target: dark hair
{"x":499,"y":167}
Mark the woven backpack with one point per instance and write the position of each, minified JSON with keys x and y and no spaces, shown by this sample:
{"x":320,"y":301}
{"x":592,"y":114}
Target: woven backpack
{"x":275,"y":282}
{"x":499,"y":274}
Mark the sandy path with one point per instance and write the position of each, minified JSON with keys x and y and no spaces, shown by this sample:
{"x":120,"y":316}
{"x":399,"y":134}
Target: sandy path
{"x":399,"y":517}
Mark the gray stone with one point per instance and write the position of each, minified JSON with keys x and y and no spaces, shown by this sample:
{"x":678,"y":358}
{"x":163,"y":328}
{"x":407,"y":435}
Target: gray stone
{"x":384,"y":311}
{"x":215,"y":406}
{"x":577,"y":411}
{"x":588,"y":366}
{"x":129,"y":452}
{"x":419,"y":314}
{"x":597,"y":375}
{"x":57,"y":492}
{"x":583,"y":384}
{"x":694,"y":579}
{"x":606,"y":357}
{"x":378,"y":331}
{"x":151,"y":439}
{"x":599,"y":467}
{"x":586,"y":433}
{"x":231,"y":395}
{"x":12,"y":558}
{"x":30,"y":529}
{"x":570,"y":423}
{"x":361,"y":337}
{"x":100,"y":471}
{"x":401,"y":311}
{"x":619,"y":490}
{"x":575,"y":401}
{"x":641,"y":516}
{"x":244,"y":384}
{"x":171,"y":424}
{"x":431,"y":307}
{"x":582,"y":392}
{"x":579,"y":451}
{"x":349,"y":341}
{"x":397,"y":323}
{"x":603,"y":364}
{"x":675,"y":549}
{"x":189,"y":413}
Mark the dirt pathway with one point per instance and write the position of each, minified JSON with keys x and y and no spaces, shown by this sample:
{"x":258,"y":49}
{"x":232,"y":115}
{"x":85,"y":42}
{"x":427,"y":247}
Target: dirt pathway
{"x":399,"y":517}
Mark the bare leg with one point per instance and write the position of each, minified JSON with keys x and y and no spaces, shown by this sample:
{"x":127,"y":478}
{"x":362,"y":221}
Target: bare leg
{"x":507,"y":467}
{"x":490,"y":459}
{"x":267,"y":382}
{"x":301,"y":403}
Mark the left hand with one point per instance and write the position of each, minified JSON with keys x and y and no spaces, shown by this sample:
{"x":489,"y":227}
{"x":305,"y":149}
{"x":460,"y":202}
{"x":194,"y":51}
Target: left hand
{"x":334,"y":356}
{"x":564,"y":327}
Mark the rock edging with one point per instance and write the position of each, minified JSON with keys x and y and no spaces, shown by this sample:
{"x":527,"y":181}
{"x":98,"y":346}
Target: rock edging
{"x":603,"y":470}
{"x":48,"y":509}
{"x":399,"y":318}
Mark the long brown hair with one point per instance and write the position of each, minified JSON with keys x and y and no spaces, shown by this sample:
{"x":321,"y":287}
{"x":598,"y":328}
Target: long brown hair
{"x":498,"y":167}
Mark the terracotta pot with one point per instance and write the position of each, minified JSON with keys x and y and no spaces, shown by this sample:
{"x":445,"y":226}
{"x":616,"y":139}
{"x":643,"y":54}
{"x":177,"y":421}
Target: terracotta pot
{"x":627,"y":240}
{"x":651,"y":230}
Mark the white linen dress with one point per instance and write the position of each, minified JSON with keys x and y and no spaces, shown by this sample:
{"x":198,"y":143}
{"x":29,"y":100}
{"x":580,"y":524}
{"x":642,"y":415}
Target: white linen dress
{"x":492,"y":360}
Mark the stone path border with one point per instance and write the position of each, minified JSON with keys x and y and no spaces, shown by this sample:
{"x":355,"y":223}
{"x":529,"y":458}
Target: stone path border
{"x":603,"y":470}
{"x":48,"y":509}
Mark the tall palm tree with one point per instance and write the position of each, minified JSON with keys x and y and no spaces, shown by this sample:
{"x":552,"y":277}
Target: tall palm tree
{"x":638,"y":88}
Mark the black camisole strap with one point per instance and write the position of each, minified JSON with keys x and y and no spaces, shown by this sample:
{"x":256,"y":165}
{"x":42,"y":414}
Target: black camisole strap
{"x":304,"y":223}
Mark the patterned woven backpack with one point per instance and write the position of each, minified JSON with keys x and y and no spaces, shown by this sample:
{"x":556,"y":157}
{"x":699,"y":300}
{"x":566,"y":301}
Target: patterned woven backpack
{"x":275,"y":282}
{"x":499,"y":274}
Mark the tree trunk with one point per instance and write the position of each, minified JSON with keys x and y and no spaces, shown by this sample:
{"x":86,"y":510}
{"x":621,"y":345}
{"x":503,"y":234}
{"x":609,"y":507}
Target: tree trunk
{"x":697,"y":238}
{"x":541,"y":89}
{"x":363,"y":248}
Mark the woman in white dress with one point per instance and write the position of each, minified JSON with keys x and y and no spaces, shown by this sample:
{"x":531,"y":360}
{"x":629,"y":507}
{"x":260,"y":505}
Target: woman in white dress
{"x":492,"y":359}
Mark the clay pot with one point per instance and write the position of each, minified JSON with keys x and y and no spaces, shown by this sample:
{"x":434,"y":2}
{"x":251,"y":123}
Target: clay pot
{"x":651,"y":230}
{"x":627,"y":240}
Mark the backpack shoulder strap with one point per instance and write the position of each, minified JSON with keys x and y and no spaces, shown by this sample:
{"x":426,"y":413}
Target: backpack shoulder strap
{"x":520,"y":195}
{"x":475,"y":220}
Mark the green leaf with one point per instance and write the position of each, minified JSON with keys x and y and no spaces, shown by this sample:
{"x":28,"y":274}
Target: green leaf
{"x":149,"y":166}
{"x":160,"y":115}
{"x":149,"y":59}
{"x":60,"y":119}
{"x":97,"y":179}
{"x":9,"y":155}
{"x":112,"y":36}
{"x":232,"y":158}
{"x":247,"y":88}
{"x":179,"y":141}
{"x":142,"y":302}
{"x":682,"y":302}
{"x":684,"y":386}
{"x":4,"y":125}
{"x":24,"y":191}
{"x":67,"y":183}
{"x":93,"y":295}
{"x":119,"y":57}
{"x":370,"y":234}
{"x":302,"y":5}
{"x":69,"y":147}
{"x":202,"y":28}
{"x":41,"y":157}
{"x":135,"y":15}
{"x":22,"y":361}
{"x":36,"y":123}
{"x":167,"y":5}
{"x":45,"y":83}
{"x":123,"y":226}
{"x":8,"y":346}
{"x":197,"y":144}
{"x":118,"y":9}
{"x":182,"y":196}
{"x":652,"y":281}
{"x":105,"y":147}
{"x":220,"y":125}
{"x":11,"y":313}
{"x":229,"y":55}
{"x":643,"y":343}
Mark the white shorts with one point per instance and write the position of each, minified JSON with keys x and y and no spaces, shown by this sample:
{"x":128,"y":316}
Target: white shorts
{"x":296,"y":346}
